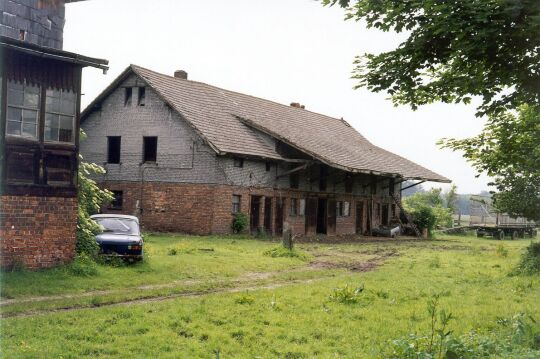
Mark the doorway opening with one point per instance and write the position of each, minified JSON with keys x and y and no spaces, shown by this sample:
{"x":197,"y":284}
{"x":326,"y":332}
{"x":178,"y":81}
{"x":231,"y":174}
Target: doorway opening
{"x":322,"y":216}
{"x":254,"y":215}
{"x":268,"y":215}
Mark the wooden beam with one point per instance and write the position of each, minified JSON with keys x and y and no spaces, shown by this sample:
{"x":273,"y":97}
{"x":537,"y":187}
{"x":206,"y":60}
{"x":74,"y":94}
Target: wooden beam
{"x":413,"y":185}
{"x":299,"y":168}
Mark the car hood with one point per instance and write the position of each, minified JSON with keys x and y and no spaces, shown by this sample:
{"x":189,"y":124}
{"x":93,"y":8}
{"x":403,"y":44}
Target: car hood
{"x":111,"y":238}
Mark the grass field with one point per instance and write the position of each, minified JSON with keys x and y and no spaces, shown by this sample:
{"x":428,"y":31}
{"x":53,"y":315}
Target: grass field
{"x":204,"y":297}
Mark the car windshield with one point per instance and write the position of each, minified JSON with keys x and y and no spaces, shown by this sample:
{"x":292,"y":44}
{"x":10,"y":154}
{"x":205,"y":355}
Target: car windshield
{"x":118,"y":225}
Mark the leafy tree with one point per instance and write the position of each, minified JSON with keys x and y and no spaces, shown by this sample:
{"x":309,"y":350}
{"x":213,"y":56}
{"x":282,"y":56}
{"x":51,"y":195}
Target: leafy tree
{"x":451,"y":198}
{"x":91,"y":198}
{"x":455,"y":50}
{"x":508,"y":150}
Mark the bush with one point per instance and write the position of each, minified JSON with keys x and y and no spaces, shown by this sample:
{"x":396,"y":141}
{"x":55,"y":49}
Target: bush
{"x":425,"y":218}
{"x":281,"y":251}
{"x":240,"y":222}
{"x":83,"y":266}
{"x":530,"y":260}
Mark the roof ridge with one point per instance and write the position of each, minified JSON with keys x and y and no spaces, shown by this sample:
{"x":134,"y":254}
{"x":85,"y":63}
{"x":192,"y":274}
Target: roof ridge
{"x":243,"y":94}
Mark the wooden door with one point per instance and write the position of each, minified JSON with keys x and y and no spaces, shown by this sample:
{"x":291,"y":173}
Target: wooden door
{"x":331,"y":226}
{"x":268,"y":215}
{"x":359,"y":217}
{"x":254,"y":214}
{"x":280,"y":204}
{"x":311,"y":216}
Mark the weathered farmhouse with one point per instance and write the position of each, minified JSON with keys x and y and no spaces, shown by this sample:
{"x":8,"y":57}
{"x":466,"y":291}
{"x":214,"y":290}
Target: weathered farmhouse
{"x":185,"y":156}
{"x":39,"y":134}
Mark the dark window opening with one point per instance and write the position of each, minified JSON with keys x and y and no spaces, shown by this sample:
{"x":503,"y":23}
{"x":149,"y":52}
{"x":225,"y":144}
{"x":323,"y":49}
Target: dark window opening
{"x":118,"y":200}
{"x":293,"y":209}
{"x":238,"y":162}
{"x":348,"y":183}
{"x":236,"y":203}
{"x":113,"y":149}
{"x":294,"y":180}
{"x":150,"y":149}
{"x":323,"y":173}
{"x":142,"y":96}
{"x":268,"y":166}
{"x":22,"y":35}
{"x":373,"y":187}
{"x":392,"y":186}
{"x":127,"y":96}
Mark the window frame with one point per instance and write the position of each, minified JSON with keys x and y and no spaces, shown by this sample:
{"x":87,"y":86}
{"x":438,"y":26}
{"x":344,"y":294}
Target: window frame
{"x":293,"y":207}
{"x":23,"y":108}
{"x":302,"y":207}
{"x":58,"y":113}
{"x":236,"y":207}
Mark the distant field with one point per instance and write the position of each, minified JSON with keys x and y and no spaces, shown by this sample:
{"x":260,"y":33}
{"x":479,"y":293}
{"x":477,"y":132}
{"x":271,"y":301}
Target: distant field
{"x":204,"y":297}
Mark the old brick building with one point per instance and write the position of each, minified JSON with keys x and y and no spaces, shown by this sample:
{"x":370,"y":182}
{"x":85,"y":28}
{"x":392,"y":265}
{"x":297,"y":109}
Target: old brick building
{"x":184,"y":156}
{"x":39,"y":134}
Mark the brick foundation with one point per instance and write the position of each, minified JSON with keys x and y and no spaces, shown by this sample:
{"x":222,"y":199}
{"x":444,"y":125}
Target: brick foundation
{"x":206,"y":209}
{"x":37,"y":232}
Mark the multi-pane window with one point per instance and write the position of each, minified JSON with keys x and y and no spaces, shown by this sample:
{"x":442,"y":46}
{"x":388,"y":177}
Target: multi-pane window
{"x":60,"y":107}
{"x":22,"y":110}
{"x":236,"y":203}
{"x":293,"y":209}
{"x":302,"y":207}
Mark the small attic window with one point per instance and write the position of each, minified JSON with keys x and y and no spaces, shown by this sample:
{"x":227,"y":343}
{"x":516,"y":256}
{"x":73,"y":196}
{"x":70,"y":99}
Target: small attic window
{"x":238,"y":162}
{"x":142,"y":96}
{"x":127,"y":96}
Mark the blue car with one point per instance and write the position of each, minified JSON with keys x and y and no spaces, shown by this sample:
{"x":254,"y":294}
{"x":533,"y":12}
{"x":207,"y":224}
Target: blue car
{"x":120,"y":236}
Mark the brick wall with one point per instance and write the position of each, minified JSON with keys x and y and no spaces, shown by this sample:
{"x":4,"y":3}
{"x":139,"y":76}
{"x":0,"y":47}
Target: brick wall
{"x":37,"y":232}
{"x":207,"y":209}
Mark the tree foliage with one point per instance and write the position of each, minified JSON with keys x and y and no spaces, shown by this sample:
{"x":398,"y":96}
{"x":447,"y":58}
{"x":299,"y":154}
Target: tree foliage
{"x":90,"y":198}
{"x":455,"y":50}
{"x":508,"y":150}
{"x":429,"y":209}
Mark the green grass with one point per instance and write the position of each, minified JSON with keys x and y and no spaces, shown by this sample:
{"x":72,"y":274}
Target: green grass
{"x":296,"y":315}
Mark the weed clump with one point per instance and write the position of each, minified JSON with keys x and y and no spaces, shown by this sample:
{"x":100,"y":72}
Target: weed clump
{"x":83,"y":266}
{"x":347,"y":294}
{"x":502,"y":251}
{"x":530,"y":260}
{"x":245,"y":299}
{"x":287,"y":253}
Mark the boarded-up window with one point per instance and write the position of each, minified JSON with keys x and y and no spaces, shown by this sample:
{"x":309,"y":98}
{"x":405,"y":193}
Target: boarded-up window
{"x":150,"y":149}
{"x":20,"y":167}
{"x":113,"y":149}
{"x":293,"y":208}
{"x":236,"y":203}
{"x":58,"y":169}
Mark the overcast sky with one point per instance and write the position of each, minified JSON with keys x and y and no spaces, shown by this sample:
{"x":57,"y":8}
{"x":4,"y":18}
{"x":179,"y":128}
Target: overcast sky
{"x":281,"y":50}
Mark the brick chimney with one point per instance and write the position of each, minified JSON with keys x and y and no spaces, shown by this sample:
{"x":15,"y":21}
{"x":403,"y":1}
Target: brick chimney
{"x":180,"y":74}
{"x":297,"y":105}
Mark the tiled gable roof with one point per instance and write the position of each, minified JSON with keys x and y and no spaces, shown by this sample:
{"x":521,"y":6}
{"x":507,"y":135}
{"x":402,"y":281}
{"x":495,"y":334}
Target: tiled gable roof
{"x":226,"y":120}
